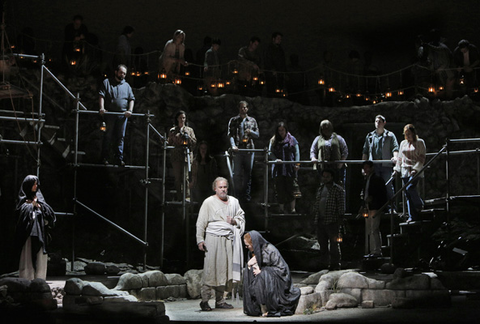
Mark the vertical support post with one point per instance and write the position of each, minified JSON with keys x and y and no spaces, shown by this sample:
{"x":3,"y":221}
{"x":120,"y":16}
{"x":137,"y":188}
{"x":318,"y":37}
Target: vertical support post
{"x":478,"y":170}
{"x":75,"y":171}
{"x":164,"y":205}
{"x":447,"y":177}
{"x":147,"y":183}
{"x":40,"y":102}
{"x":265,"y":190}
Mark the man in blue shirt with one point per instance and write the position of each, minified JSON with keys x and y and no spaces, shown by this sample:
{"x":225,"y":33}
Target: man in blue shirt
{"x":115,"y":95}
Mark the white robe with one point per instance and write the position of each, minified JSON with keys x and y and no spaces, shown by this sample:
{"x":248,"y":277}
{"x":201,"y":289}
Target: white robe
{"x":218,"y":262}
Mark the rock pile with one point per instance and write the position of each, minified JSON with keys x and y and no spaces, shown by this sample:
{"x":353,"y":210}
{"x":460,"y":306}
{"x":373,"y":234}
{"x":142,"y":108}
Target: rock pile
{"x":348,"y":288}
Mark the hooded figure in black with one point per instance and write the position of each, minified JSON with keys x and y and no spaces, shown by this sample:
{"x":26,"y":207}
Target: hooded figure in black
{"x":267,"y":285}
{"x":34,"y":220}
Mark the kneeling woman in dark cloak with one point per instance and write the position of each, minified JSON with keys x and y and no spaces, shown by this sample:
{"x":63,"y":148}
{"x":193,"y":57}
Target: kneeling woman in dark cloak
{"x":267,"y":285}
{"x":34,"y":218}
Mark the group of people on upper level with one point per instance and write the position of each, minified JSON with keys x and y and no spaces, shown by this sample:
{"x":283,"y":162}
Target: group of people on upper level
{"x":328,"y":147}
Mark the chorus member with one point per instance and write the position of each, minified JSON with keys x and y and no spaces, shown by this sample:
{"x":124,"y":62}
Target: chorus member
{"x":284,"y":147}
{"x":411,"y":158}
{"x":173,"y":56}
{"x":242,"y":130}
{"x":116,"y":95}
{"x":329,"y":146}
{"x":374,"y":196}
{"x":328,"y":210}
{"x":381,"y":144}
{"x":182,"y":137}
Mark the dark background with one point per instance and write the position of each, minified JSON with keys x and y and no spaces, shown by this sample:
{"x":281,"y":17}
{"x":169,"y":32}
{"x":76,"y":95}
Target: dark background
{"x":386,"y":28}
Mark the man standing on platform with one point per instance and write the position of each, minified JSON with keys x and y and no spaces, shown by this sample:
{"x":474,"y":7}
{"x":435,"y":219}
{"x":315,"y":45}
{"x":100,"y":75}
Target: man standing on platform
{"x":242,"y":129}
{"x":116,"y":95}
{"x":329,"y":209}
{"x":374,"y":196}
{"x":381,"y":144}
{"x":220,"y":226}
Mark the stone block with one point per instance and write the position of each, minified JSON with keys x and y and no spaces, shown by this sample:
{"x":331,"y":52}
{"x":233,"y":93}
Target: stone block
{"x":313,"y":279}
{"x":368,"y":304}
{"x":112,"y":270}
{"x":382,"y":297}
{"x":144,"y":278}
{"x":119,"y":299}
{"x":129,"y":281}
{"x":183,"y":291}
{"x":175,"y":279}
{"x":307,"y":290}
{"x":193,"y":278}
{"x":310,"y":301}
{"x":94,"y":300}
{"x":376,"y":284}
{"x":147,"y":294}
{"x":352,"y":280}
{"x":355,"y":292}
{"x":161,"y":292}
{"x":15,"y":284}
{"x":95,"y":268}
{"x":74,"y":286}
{"x":323,"y":285}
{"x":156,"y":278}
{"x":173,"y":291}
{"x":96,"y":289}
{"x":39,"y":285}
{"x":341,"y":300}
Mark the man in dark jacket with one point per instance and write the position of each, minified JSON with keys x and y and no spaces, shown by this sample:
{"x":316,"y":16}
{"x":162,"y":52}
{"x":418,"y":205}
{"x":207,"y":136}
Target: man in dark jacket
{"x":375,"y":196}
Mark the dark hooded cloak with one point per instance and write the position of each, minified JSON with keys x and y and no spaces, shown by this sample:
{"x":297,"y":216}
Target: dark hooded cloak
{"x":273,"y":286}
{"x":33,"y":221}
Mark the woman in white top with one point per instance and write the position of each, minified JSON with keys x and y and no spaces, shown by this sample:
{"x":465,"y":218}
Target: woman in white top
{"x":173,"y":54}
{"x":411,"y":158}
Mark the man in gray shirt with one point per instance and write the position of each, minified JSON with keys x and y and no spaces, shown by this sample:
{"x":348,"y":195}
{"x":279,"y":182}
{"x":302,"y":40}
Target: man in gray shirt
{"x":115,"y":95}
{"x":381,"y":144}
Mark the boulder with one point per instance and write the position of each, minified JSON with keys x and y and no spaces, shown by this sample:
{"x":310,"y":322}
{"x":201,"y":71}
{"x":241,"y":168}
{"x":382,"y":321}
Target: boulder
{"x":175,"y":279}
{"x":307,"y":290}
{"x":193,"y":278}
{"x":74,"y":286}
{"x":39,"y":286}
{"x":155,"y":278}
{"x":99,"y":289}
{"x":313,"y":279}
{"x":129,"y":281}
{"x":95,"y":268}
{"x":352,"y":280}
{"x":341,"y":300}
{"x":311,"y":301}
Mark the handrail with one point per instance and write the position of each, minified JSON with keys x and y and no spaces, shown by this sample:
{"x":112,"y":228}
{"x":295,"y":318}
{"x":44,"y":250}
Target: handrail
{"x":401,"y":190}
{"x":111,"y":223}
{"x":118,"y":113}
{"x":162,"y":138}
{"x":63,"y":86}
